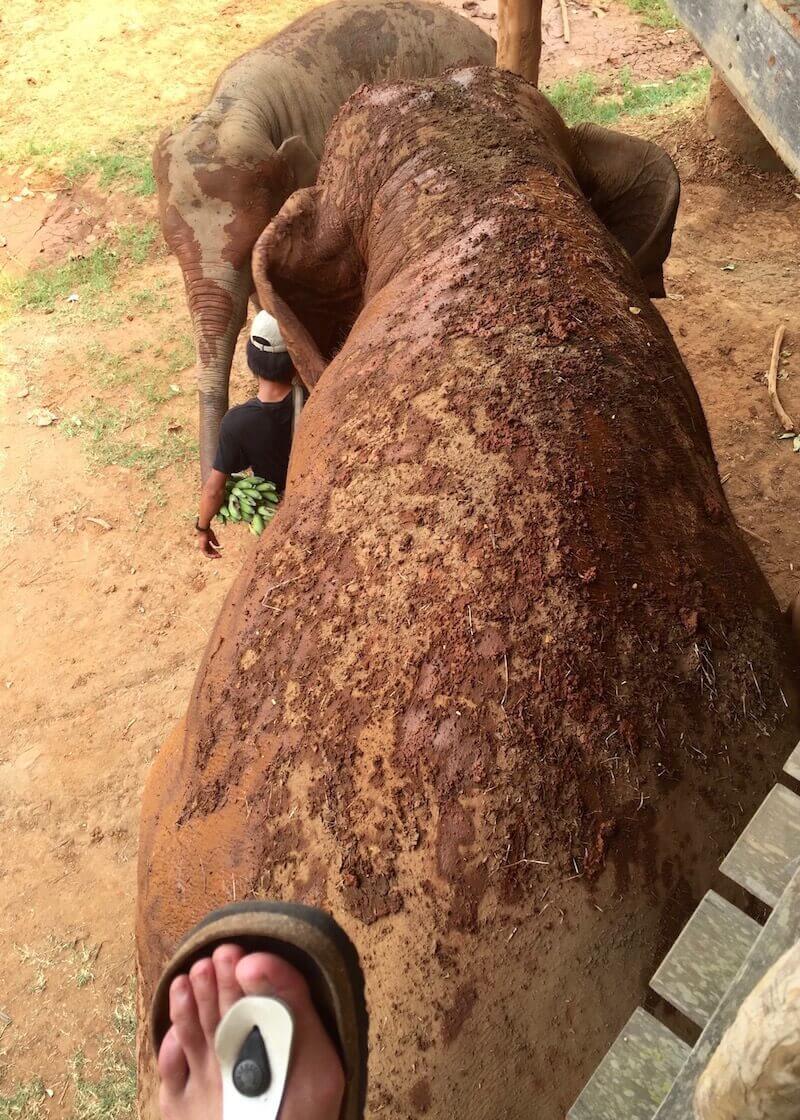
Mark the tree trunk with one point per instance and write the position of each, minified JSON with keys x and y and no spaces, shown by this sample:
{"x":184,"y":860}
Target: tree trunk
{"x":519,"y":39}
{"x":729,"y":123}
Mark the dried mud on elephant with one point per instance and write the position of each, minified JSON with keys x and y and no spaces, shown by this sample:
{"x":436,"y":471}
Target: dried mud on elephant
{"x":502,"y":679}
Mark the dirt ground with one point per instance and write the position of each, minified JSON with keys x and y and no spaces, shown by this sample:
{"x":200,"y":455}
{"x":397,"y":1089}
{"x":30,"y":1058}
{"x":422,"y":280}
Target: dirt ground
{"x":105,"y":604}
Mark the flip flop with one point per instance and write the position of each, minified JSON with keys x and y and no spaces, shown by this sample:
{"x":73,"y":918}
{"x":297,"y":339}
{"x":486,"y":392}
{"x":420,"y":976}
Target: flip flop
{"x":317,"y":947}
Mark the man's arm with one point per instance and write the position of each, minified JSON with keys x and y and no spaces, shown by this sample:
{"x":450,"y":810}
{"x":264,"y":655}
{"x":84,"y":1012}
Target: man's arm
{"x":212,"y":497}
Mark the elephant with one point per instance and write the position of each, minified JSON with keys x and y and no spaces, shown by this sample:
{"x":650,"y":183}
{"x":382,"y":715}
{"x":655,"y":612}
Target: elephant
{"x":502,"y":682}
{"x":227,"y":172}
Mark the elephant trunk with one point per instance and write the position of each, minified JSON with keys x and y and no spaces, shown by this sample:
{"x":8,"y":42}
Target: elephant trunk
{"x":217,"y":295}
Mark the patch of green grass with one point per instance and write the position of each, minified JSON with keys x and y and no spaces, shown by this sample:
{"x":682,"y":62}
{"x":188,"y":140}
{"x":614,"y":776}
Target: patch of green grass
{"x":148,"y":300}
{"x":113,"y":308}
{"x":176,"y":358}
{"x":130,"y":170}
{"x":92,"y":275}
{"x":136,"y":241}
{"x":25,"y":1103}
{"x":44,"y":287}
{"x":650,"y":97}
{"x":108,"y":370}
{"x":39,"y":962}
{"x":106,"y":1088}
{"x":40,"y":153}
{"x":103,"y":426}
{"x":151,"y":371}
{"x":154,"y":393}
{"x":125,"y":165}
{"x":654,"y":13}
{"x":84,"y":958}
{"x":579,"y":98}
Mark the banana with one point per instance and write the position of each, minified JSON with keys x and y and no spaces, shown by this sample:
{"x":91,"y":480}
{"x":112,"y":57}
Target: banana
{"x":251,"y":500}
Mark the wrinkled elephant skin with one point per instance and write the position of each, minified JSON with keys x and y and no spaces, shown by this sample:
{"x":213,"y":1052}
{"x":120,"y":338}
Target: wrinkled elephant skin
{"x":223,"y":177}
{"x":502,"y":682}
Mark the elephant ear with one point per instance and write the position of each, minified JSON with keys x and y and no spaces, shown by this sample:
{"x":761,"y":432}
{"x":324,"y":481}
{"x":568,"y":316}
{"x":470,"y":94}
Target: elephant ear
{"x":300,"y":161}
{"x":308,"y":274}
{"x":634,"y":189}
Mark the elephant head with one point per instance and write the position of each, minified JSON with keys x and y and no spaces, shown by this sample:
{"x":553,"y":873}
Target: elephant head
{"x":309,"y":271}
{"x":220,"y":181}
{"x":634,"y":189}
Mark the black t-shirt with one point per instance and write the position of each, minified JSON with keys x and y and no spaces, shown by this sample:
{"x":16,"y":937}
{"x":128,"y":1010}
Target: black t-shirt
{"x":257,"y":434}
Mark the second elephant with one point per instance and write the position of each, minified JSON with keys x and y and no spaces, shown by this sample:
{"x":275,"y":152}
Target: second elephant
{"x":226,"y":173}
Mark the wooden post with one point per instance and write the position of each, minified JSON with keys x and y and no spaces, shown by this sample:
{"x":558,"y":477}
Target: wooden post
{"x":519,"y":38}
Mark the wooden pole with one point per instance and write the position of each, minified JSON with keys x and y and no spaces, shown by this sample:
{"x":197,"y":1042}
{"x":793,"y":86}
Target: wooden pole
{"x":519,"y":37}
{"x":564,"y":20}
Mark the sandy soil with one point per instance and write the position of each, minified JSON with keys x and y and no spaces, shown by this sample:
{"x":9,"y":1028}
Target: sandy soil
{"x":102,"y":629}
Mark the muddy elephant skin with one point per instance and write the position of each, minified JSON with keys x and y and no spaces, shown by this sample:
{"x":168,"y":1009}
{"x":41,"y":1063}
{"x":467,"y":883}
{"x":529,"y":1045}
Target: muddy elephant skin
{"x":222,"y":177}
{"x":502,"y":682}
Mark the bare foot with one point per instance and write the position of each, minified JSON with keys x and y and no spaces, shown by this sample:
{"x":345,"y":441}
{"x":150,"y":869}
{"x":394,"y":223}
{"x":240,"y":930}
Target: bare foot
{"x":191,"y":1085}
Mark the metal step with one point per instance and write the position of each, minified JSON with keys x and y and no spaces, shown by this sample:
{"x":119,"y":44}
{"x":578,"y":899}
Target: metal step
{"x":703,"y":962}
{"x":635,"y":1075}
{"x":766,"y":855}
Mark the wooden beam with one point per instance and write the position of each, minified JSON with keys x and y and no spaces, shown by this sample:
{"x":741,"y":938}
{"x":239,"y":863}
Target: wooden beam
{"x":767,"y":854}
{"x":755,"y":45}
{"x":519,"y":38}
{"x":633,"y":1078}
{"x":702,"y":964}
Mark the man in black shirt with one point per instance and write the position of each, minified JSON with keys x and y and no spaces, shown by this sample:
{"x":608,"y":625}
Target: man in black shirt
{"x":255,"y":434}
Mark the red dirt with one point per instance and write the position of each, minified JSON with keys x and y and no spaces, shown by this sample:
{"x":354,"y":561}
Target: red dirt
{"x":604,"y":37}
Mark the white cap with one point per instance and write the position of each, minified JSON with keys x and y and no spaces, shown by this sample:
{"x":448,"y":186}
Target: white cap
{"x":265,"y":334}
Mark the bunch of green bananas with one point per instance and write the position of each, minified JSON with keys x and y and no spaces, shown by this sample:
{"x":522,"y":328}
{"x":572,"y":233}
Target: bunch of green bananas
{"x":250,"y":499}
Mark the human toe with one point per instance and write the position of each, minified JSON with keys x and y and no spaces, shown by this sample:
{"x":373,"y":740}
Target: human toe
{"x":203,"y":978}
{"x":226,"y":958}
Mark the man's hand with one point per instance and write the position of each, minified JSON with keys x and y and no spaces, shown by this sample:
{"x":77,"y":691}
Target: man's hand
{"x":208,"y":544}
{"x":212,"y":498}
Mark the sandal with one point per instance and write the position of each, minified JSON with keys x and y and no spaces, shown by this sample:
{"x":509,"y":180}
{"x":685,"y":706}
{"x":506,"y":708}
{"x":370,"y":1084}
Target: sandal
{"x":317,"y":947}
